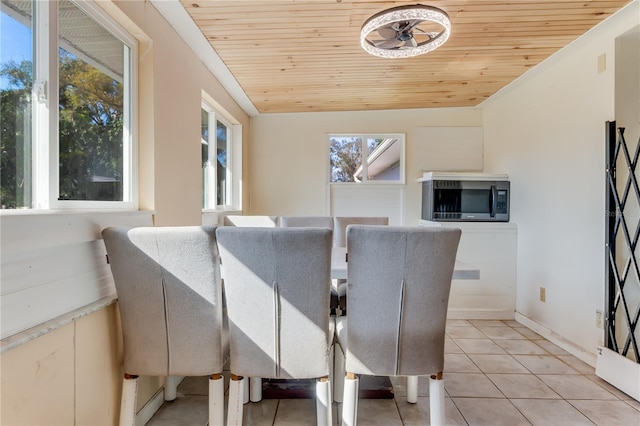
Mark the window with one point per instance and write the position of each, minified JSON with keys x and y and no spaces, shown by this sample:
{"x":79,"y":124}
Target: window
{"x":67,"y":107}
{"x":216,"y":141}
{"x":384,"y":156}
{"x":16,"y":78}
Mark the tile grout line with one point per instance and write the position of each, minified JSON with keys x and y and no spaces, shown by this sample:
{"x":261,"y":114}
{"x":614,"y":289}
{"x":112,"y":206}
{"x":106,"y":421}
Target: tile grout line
{"x":556,"y":357}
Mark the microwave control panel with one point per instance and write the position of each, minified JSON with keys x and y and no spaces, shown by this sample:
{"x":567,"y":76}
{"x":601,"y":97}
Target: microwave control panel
{"x":502,"y":201}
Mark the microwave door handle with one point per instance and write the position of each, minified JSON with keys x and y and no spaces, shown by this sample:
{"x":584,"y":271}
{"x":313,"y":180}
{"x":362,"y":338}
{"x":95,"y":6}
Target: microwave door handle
{"x":494,"y":200}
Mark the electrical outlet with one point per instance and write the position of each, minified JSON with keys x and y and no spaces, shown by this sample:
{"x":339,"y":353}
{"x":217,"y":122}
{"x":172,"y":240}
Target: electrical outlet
{"x":543,"y":294}
{"x":599,"y":319}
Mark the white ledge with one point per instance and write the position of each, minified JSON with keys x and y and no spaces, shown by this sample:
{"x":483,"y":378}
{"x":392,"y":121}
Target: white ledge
{"x":90,"y":212}
{"x":39,"y":330}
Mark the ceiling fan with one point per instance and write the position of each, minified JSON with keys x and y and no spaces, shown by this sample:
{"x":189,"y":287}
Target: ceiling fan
{"x":401,"y":35}
{"x":405,"y":31}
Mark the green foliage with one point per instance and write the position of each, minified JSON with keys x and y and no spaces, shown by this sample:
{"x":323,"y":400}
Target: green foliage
{"x":345,"y":155}
{"x":90,"y":132}
{"x":18,"y":75}
{"x":372,"y":144}
{"x":15,"y":141}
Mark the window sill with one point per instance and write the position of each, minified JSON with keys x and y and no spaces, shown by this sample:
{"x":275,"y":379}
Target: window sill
{"x":39,"y":330}
{"x":43,"y":212}
{"x":221,"y":210}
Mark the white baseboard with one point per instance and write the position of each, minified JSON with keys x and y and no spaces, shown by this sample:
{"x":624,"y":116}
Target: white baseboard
{"x":150,"y":408}
{"x":575,"y":350}
{"x":154,"y":404}
{"x":621,"y":372}
{"x":490,"y":314}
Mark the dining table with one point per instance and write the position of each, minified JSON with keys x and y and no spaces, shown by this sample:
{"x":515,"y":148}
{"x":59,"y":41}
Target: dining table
{"x":339,"y":267}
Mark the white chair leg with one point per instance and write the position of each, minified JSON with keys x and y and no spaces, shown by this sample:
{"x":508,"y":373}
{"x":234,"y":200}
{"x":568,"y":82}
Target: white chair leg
{"x":128,"y":401}
{"x":246,"y":386}
{"x":216,"y":400}
{"x":255,"y":389}
{"x":332,"y":356}
{"x":338,"y":374}
{"x":436,"y":399}
{"x":350,"y":404}
{"x":170,"y":388}
{"x":323,"y":402}
{"x":236,"y":401}
{"x":412,"y":389}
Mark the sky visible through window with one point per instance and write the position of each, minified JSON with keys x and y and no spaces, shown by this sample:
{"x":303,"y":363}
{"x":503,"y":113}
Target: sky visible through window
{"x":15,"y":43}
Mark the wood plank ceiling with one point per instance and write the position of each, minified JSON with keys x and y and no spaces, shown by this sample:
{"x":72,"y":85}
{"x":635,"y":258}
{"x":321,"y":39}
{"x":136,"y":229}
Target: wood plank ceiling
{"x":304,"y":55}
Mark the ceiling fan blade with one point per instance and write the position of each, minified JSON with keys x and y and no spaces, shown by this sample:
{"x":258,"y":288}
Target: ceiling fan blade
{"x":388,"y":44}
{"x":387,"y":32}
{"x":429,"y":34}
{"x":411,"y":42}
{"x":411,"y":24}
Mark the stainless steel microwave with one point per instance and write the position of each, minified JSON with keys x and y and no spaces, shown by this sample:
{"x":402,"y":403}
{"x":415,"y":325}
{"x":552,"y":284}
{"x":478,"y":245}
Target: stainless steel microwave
{"x":465,"y":197}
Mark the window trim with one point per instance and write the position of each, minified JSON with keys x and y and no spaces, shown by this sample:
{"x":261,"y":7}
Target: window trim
{"x":213,"y":117}
{"x":130,"y":119}
{"x":400,"y":136}
{"x":234,"y":154}
{"x":45,"y":127}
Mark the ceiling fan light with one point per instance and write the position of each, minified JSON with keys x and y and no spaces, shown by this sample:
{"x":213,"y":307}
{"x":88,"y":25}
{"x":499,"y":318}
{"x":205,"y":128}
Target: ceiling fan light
{"x":400,"y":14}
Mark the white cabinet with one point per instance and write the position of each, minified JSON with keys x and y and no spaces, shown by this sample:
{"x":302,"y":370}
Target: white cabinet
{"x":491,"y":247}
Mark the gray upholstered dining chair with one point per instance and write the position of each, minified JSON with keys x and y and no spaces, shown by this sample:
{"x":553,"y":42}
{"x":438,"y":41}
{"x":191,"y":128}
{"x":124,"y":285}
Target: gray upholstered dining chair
{"x":319,"y":222}
{"x":255,"y":383}
{"x":254,"y":391}
{"x":169,"y":292}
{"x":398,"y":287}
{"x":340,"y":224}
{"x":277,"y":292}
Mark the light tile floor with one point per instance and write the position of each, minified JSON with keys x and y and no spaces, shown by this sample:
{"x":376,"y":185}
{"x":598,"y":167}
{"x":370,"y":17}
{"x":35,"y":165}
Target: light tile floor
{"x":496,"y":373}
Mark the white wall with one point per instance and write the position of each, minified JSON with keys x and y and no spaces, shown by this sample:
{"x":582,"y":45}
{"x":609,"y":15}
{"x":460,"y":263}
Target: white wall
{"x":627,"y":75}
{"x":172,"y":79}
{"x":546,"y":130}
{"x":289,"y":155}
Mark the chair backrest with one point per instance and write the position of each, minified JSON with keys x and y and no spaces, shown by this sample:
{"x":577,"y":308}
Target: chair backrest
{"x":398,"y":290}
{"x":306,"y":221}
{"x":277,"y":284}
{"x":254,"y":221}
{"x":340,"y":224}
{"x":170,"y":298}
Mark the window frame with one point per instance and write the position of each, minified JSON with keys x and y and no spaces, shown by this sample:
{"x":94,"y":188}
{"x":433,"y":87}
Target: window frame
{"x":45,"y":142}
{"x":214,"y":115}
{"x":365,"y":137}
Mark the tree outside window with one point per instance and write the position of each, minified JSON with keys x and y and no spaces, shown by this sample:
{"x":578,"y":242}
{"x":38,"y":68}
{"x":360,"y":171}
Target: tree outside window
{"x":366,"y":158}
{"x":95,"y":101}
{"x":16,"y":83}
{"x":91,"y":134}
